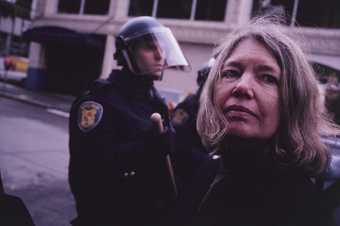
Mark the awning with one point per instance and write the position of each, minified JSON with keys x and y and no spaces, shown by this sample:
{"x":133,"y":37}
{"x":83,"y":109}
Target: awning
{"x":326,"y":60}
{"x":55,"y":34}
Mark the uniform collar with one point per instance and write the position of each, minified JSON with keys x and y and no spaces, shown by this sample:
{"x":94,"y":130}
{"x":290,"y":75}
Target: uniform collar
{"x":132,"y":84}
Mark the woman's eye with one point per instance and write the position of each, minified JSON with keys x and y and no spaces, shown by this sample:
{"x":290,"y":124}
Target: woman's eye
{"x":270,"y":79}
{"x":230,"y":74}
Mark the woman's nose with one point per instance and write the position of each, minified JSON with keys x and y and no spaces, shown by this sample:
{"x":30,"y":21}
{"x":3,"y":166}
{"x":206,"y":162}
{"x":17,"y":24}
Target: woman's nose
{"x":244,"y":87}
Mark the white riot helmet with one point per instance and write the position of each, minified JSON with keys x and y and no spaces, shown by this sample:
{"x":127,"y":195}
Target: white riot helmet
{"x":149,"y":33}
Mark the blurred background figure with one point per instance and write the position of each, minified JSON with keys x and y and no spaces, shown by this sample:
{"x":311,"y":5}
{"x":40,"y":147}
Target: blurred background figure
{"x":267,"y":8}
{"x":332,"y":96}
{"x":189,"y":152}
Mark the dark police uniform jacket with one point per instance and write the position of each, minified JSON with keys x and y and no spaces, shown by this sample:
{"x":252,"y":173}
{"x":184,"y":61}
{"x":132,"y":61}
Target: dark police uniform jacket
{"x":117,"y":169}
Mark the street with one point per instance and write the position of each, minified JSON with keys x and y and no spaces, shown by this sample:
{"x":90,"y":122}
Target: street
{"x":34,"y":160}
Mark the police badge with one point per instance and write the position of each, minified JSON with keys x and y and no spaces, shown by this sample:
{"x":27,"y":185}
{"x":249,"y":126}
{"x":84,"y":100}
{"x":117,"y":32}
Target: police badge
{"x":180,"y":117}
{"x":90,"y":114}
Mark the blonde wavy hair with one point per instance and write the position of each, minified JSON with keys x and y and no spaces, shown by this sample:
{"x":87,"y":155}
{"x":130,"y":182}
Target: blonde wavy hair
{"x":302,"y":123}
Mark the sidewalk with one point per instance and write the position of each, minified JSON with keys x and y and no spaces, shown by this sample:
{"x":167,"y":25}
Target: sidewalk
{"x":41,"y":99}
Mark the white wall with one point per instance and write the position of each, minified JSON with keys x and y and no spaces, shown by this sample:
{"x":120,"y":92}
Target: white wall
{"x":185,"y":82}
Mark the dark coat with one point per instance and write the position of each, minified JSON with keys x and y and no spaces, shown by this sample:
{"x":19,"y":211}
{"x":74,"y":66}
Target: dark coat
{"x":248,"y":194}
{"x":13,"y":211}
{"x":117,"y":169}
{"x":189,"y":151}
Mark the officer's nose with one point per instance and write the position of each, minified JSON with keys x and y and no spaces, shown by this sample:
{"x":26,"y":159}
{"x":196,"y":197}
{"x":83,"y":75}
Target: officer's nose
{"x":158,"y":53}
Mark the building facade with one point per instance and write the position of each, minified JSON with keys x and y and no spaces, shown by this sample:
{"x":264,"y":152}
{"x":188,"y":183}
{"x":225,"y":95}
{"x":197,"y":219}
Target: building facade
{"x":14,"y":19}
{"x":73,"y":41}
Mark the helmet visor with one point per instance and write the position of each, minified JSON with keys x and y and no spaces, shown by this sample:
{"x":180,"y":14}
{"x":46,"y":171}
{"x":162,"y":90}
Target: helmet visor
{"x":162,"y":45}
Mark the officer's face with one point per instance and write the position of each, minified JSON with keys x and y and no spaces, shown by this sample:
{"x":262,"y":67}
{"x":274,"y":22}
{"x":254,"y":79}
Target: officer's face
{"x":150,"y":59}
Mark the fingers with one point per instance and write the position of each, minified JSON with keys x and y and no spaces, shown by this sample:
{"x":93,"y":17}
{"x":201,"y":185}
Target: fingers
{"x":157,"y":119}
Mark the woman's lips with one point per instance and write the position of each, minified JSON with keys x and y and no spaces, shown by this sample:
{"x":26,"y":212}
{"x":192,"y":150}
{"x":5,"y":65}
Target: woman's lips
{"x":237,"y":111}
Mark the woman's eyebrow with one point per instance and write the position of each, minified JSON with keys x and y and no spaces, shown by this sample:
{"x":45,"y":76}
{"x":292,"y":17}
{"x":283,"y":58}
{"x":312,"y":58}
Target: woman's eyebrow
{"x":232,"y":64}
{"x":267,"y":68}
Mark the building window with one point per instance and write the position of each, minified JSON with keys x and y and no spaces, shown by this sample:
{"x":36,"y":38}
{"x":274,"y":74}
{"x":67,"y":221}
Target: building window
{"x":177,"y":9}
{"x":69,"y":6}
{"x":313,"y":14}
{"x":19,"y":47}
{"x":15,"y":8}
{"x":284,"y":8}
{"x":180,"y":9}
{"x":3,"y":37}
{"x":304,"y":13}
{"x":210,"y":10}
{"x":98,"y":7}
{"x":140,"y":7}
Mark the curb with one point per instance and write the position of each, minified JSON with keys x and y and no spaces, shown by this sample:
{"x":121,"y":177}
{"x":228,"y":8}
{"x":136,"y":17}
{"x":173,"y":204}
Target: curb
{"x":24,"y":99}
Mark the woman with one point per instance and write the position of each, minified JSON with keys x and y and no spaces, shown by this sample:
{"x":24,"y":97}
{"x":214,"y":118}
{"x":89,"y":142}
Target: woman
{"x":260,"y":112}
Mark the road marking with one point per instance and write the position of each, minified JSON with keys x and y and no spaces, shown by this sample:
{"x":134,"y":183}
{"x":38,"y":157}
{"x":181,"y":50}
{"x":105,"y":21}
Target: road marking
{"x":58,"y":112}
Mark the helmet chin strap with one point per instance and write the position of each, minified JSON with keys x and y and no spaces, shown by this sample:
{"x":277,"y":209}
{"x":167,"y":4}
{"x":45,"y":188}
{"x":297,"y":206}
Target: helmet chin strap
{"x":129,"y":63}
{"x":161,"y":77}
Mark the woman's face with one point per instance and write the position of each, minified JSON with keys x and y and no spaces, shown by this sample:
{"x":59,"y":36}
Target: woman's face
{"x":248,"y":92}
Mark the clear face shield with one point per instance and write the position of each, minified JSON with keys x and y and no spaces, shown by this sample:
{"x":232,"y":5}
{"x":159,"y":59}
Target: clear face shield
{"x":154,"y":51}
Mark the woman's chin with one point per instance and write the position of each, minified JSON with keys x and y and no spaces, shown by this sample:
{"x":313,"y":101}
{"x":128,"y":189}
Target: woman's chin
{"x":240,"y":132}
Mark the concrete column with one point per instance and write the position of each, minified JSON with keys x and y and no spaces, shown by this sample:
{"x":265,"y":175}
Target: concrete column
{"x":34,"y":9}
{"x":112,"y":8}
{"x":37,"y":55}
{"x":51,"y":7}
{"x":231,"y":12}
{"x":108,"y":62}
{"x":121,"y":9}
{"x":238,"y":11}
{"x":246,"y":7}
{"x":40,"y":8}
{"x":36,"y":74}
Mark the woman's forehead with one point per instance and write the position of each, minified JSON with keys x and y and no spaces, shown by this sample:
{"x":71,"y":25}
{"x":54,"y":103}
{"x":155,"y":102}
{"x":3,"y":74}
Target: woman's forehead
{"x":250,"y":51}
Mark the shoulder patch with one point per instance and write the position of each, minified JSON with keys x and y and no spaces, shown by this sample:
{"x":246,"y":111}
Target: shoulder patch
{"x":180,"y":117}
{"x":89,"y":115}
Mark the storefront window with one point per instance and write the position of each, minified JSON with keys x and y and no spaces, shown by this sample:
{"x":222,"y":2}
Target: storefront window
{"x":19,"y":47}
{"x":3,"y":37}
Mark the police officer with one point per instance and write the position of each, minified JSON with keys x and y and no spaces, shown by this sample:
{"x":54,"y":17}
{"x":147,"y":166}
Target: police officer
{"x":117,"y":170}
{"x":190,"y":153}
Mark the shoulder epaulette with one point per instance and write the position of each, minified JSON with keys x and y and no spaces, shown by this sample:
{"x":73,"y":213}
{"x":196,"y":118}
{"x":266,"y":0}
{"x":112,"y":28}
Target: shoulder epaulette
{"x":98,"y":84}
